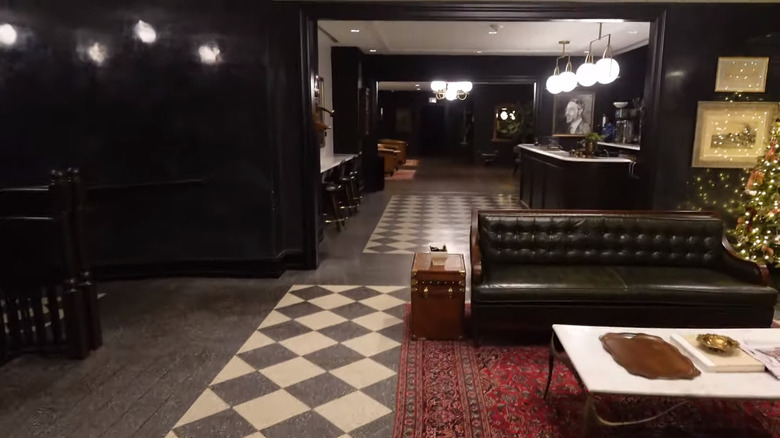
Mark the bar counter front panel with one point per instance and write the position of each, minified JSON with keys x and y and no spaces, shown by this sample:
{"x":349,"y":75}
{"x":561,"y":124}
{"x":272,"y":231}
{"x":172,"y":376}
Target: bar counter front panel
{"x":553,"y":179}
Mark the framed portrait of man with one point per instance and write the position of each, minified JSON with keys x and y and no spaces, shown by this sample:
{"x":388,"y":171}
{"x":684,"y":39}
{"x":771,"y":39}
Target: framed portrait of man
{"x":573,"y":114}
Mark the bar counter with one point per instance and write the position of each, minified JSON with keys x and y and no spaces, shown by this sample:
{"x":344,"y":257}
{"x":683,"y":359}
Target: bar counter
{"x":556,"y":180}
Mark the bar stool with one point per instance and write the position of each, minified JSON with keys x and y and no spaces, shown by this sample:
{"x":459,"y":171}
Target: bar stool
{"x":357,"y":177}
{"x":347,"y":197}
{"x":350,"y":180}
{"x":330,"y":193}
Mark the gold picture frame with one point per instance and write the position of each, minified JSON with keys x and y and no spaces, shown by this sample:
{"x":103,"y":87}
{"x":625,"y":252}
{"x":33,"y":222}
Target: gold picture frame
{"x":732,"y":134}
{"x":741,"y":75}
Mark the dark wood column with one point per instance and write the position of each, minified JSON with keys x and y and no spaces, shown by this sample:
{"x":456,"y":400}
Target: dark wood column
{"x":346,"y":86}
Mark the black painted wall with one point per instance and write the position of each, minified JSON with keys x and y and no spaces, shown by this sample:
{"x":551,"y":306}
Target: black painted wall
{"x":696,"y":35}
{"x":194,"y":168}
{"x":389,"y":103}
{"x":345,"y":63}
{"x":183,"y":160}
{"x":506,"y":69}
{"x":630,"y":83}
{"x":485,"y":97}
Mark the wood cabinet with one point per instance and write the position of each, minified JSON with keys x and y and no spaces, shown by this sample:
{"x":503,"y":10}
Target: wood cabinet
{"x":438,"y":297}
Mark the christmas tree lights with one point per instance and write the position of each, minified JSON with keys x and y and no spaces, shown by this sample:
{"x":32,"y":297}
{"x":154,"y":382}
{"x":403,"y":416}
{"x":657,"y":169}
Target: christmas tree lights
{"x":757,"y":232}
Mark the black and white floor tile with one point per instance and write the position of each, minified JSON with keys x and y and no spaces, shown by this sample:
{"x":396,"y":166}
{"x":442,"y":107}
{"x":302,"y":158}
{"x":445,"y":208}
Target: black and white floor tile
{"x":411,"y":222}
{"x":322,"y":364}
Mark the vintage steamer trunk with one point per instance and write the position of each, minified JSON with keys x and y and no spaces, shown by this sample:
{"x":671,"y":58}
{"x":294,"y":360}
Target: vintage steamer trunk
{"x":438,"y":297}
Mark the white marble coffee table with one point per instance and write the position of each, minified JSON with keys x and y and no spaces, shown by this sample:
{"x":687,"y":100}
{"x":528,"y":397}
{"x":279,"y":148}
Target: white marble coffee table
{"x":598,"y":373}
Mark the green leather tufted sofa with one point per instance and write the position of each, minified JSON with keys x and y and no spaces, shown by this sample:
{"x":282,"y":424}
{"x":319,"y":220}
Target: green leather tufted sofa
{"x":535,"y":268}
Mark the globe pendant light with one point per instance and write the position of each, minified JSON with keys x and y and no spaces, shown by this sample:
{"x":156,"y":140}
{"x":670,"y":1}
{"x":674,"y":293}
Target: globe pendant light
{"x":605,"y":71}
{"x":438,"y":86}
{"x":608,"y":68}
{"x":568,"y":79}
{"x":465,"y":86}
{"x":553,"y":84}
{"x":587,"y":73}
{"x":562,"y":82}
{"x":451,"y":93}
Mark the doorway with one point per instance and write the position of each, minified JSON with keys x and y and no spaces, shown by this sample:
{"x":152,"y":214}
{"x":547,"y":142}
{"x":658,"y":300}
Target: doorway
{"x":432,"y":131}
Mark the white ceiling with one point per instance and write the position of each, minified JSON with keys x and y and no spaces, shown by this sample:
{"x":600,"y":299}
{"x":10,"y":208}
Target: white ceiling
{"x":406,"y":86}
{"x":473,"y":38}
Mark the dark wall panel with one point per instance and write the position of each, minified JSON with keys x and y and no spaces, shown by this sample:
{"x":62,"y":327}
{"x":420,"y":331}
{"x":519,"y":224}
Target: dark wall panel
{"x":389,"y":104}
{"x":345,"y":63}
{"x":696,"y":35}
{"x":485,"y":98}
{"x":182,"y":159}
{"x":629,"y":85}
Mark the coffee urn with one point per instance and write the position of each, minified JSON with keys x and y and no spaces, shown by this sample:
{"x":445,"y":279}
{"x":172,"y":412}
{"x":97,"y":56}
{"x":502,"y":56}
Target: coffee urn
{"x":627,"y":125}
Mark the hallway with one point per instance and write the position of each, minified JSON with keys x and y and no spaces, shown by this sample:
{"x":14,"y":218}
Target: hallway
{"x":167,"y":339}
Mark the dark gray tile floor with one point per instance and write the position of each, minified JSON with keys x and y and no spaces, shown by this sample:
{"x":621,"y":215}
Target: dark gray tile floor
{"x":166,"y":340}
{"x":330,"y":381}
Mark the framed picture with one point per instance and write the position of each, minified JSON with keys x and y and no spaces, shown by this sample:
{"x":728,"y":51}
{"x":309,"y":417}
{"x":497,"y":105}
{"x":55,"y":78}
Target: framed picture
{"x":732,"y":134}
{"x":573,"y":114}
{"x":506,"y":122}
{"x":745,"y":75}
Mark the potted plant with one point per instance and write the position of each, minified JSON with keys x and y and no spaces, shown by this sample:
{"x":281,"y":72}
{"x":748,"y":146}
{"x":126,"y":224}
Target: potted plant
{"x":590,"y":143}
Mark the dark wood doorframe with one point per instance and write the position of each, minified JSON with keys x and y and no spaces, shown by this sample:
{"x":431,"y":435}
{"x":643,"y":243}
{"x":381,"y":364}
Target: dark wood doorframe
{"x":311,"y":12}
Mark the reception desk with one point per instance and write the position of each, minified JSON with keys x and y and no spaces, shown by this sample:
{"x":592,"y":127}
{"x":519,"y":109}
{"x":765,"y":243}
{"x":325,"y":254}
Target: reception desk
{"x":556,"y":180}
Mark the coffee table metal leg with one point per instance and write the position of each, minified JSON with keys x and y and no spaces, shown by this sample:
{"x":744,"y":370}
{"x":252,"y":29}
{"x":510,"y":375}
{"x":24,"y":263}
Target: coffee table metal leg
{"x":591,"y":417}
{"x":550,"y":366}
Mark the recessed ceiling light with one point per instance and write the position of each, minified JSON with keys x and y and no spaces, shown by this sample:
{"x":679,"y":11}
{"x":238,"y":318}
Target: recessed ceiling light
{"x":492,"y":32}
{"x":372,"y":50}
{"x":478,"y":51}
{"x":416,"y":85}
{"x":587,"y":51}
{"x":633,"y":32}
{"x":354,"y":30}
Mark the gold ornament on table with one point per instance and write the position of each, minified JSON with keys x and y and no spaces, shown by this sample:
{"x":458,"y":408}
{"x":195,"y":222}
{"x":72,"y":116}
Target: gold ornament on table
{"x":717,"y":343}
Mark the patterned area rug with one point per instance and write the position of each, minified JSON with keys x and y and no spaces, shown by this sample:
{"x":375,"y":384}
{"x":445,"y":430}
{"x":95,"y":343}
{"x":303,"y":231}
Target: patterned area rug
{"x":453,"y":390}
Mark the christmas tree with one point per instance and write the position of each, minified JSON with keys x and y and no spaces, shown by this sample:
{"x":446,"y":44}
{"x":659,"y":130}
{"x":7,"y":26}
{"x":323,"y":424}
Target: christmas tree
{"x":758,"y":228}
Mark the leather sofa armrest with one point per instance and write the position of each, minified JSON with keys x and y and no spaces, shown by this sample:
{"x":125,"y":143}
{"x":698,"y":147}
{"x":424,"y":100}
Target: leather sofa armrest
{"x":743,"y":269}
{"x":476,"y":256}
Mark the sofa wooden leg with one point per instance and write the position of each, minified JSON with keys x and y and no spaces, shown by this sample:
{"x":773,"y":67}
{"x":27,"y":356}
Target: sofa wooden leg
{"x":476,"y":335}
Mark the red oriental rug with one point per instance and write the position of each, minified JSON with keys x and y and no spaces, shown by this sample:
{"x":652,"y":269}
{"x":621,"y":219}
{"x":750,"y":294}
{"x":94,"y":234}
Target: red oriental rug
{"x":453,"y":390}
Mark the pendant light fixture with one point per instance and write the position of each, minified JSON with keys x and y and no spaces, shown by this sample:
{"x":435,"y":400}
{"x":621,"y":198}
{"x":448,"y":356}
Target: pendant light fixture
{"x":609,"y":69}
{"x":562,"y":82}
{"x":451,"y":90}
{"x":605,"y":71}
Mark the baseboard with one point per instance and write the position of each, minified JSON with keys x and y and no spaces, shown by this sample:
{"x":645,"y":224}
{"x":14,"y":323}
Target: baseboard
{"x":261,"y":268}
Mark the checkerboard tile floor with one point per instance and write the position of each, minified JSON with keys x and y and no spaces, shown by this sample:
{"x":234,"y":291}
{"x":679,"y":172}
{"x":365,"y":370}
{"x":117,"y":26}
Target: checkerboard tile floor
{"x":411,"y":222}
{"x":322,"y":364}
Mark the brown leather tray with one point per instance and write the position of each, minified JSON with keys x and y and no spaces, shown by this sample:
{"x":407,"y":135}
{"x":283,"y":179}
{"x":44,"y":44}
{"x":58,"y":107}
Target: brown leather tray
{"x":648,"y":356}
